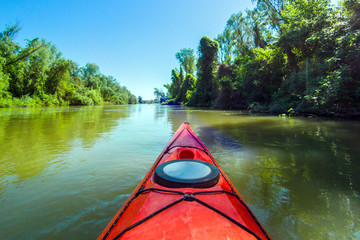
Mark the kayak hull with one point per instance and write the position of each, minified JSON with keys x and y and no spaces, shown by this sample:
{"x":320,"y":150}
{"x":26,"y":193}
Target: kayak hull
{"x":156,"y":211}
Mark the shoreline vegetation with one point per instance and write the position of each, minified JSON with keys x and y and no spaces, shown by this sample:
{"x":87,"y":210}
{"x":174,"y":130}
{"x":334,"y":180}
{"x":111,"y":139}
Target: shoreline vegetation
{"x":38,"y":75}
{"x":296,"y":58}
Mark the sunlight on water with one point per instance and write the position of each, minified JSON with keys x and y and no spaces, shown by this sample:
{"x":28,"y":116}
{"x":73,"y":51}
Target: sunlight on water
{"x":64,"y":172}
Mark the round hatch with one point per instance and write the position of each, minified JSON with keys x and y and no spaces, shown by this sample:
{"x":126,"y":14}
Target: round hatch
{"x":184,"y":173}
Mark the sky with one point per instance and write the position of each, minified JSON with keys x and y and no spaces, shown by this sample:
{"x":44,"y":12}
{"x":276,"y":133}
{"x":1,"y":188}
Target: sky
{"x":134,"y":41}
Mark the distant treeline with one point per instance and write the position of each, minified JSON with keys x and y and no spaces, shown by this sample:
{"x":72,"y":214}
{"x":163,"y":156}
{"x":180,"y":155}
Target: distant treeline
{"x":301,"y":56}
{"x":37,"y":75}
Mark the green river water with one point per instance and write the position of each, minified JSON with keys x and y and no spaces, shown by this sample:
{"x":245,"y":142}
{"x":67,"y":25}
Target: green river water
{"x":65,"y":172}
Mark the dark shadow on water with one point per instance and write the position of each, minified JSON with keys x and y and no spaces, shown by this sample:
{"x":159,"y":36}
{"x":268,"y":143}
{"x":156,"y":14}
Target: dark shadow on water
{"x":214,"y":136}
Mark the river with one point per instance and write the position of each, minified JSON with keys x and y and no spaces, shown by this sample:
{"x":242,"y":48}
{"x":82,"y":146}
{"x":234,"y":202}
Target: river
{"x":65,"y":171}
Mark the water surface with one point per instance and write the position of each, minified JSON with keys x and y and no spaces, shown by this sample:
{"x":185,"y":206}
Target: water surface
{"x":64,"y":172}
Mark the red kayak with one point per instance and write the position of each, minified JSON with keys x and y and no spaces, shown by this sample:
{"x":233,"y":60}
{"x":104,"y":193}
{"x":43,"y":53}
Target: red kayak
{"x":185,"y":195}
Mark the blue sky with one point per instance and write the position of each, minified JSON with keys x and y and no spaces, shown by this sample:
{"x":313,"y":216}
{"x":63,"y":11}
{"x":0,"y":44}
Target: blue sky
{"x":133,"y":40}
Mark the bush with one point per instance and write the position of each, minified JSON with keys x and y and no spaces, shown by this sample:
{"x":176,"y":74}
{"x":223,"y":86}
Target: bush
{"x":95,"y":96}
{"x":79,"y":99}
{"x":25,"y":101}
{"x":6,"y":102}
{"x":50,"y":100}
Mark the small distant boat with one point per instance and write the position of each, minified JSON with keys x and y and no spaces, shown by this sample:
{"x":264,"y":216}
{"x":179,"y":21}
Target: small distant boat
{"x":185,"y":195}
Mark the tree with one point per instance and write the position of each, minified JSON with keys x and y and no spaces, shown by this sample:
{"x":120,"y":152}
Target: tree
{"x":168,"y":89}
{"x":207,"y":63}
{"x":91,"y":75}
{"x":159,"y":93}
{"x":274,"y":11}
{"x":4,"y":83}
{"x":186,"y":59}
{"x":257,"y":27}
{"x":175,"y":85}
{"x":226,"y":45}
{"x":237,"y":28}
{"x":187,"y":85}
{"x":140,"y":99}
{"x":10,"y":31}
{"x":352,"y":10}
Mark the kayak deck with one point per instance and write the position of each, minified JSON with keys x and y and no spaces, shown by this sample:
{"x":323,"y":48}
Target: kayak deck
{"x":160,"y":211}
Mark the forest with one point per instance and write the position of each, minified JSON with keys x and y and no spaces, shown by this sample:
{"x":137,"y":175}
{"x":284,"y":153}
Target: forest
{"x":38,"y":75}
{"x":294,"y":57}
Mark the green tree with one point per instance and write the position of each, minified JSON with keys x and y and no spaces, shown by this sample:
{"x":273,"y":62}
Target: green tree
{"x":226,"y":45}
{"x":273,"y":9}
{"x":5,"y":96}
{"x":187,"y":85}
{"x":258,"y":27}
{"x":186,"y":59}
{"x":159,"y":93}
{"x":91,"y":75}
{"x":140,"y":99}
{"x":10,"y":31}
{"x":175,"y":85}
{"x":237,"y":28}
{"x":22,"y":66}
{"x":168,"y":89}
{"x":206,"y":65}
{"x":227,"y":96}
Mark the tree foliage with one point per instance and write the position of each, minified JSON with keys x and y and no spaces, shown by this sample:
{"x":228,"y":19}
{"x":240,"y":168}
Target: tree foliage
{"x":186,"y":59}
{"x":38,"y":75}
{"x":301,"y":54}
{"x":206,"y":69}
{"x":159,"y":94}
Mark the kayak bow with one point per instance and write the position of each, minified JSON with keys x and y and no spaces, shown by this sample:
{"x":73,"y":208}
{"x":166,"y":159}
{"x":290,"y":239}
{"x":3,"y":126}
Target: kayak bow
{"x":185,"y":195}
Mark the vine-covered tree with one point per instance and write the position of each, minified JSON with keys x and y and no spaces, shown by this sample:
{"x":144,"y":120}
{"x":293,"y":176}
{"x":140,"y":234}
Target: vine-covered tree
{"x":206,"y":67}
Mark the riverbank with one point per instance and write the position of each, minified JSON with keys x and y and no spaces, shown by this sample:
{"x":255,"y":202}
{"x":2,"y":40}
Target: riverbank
{"x":305,"y":110}
{"x":301,"y":110}
{"x":27,"y":101}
